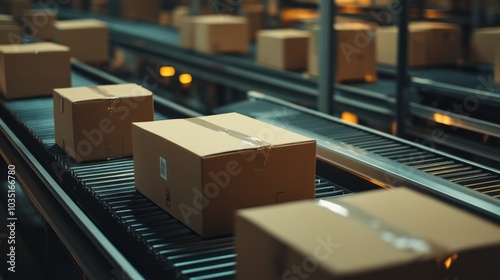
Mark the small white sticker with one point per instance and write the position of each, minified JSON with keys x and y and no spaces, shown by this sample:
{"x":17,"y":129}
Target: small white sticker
{"x":163,"y":168}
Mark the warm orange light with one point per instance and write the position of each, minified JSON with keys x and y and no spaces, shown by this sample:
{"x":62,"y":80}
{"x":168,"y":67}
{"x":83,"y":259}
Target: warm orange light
{"x":349,"y":117}
{"x":167,"y":71}
{"x":185,"y":79}
{"x":450,"y":260}
{"x":370,"y":78}
{"x":444,"y":119}
{"x":351,"y":9}
{"x":295,"y":14}
{"x":434,"y":14}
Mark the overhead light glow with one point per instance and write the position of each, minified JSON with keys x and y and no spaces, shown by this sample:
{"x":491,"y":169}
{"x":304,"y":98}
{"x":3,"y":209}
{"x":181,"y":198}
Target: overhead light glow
{"x":185,"y":79}
{"x":167,"y":71}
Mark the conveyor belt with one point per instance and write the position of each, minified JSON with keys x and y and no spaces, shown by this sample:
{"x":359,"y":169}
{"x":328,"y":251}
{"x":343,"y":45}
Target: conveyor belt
{"x":159,"y":245}
{"x":461,"y":181}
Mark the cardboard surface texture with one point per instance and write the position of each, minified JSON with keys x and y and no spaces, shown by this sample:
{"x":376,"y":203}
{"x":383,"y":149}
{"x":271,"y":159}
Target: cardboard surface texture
{"x":40,"y":23}
{"x":223,"y":34}
{"x":201,"y":170}
{"x":430,"y":44}
{"x":6,"y":20}
{"x":355,"y":53}
{"x":29,"y":70}
{"x":187,"y":29}
{"x":283,"y":48}
{"x":397,"y":234}
{"x":483,"y":44}
{"x":147,"y":10}
{"x":95,"y":123}
{"x":10,"y":34}
{"x":87,"y":38}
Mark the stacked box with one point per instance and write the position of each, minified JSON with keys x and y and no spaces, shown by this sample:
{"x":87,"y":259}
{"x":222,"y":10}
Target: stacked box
{"x":87,"y":38}
{"x":483,"y":44}
{"x":285,"y":49}
{"x":95,"y":123}
{"x":201,"y":170}
{"x":397,"y":234}
{"x":223,"y":34}
{"x":430,"y":44}
{"x":30,"y":70}
{"x":10,"y":34}
{"x":39,"y":23}
{"x":355,"y":53}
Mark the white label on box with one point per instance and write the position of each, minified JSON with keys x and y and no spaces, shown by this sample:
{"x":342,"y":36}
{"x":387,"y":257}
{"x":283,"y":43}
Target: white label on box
{"x":163,"y":168}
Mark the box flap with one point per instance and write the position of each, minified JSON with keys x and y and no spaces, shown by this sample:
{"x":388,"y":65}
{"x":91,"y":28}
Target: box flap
{"x":80,"y":94}
{"x":284,"y":33}
{"x":32,"y":48}
{"x":223,"y":133}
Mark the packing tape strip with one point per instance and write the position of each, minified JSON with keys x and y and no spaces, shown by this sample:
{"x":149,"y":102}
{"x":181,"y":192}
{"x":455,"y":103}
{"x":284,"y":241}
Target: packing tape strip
{"x":111,"y":100}
{"x":263,"y":148}
{"x":392,"y":235}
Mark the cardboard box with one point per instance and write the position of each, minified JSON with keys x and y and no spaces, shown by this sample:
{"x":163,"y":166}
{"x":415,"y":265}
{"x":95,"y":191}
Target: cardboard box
{"x":39,"y":23}
{"x":483,"y":44}
{"x":430,"y":44}
{"x":16,"y":7}
{"x":283,"y":48}
{"x":87,"y":38}
{"x":29,"y":70}
{"x":398,"y":234}
{"x":95,"y":123}
{"x":254,"y":13}
{"x":99,"y":6}
{"x":10,"y":34}
{"x":497,"y":64}
{"x":147,"y":10}
{"x":224,"y":34}
{"x":187,"y":29}
{"x":355,"y":53}
{"x":201,"y":170}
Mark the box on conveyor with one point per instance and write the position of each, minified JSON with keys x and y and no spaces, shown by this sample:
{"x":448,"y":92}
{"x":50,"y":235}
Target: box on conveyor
{"x":179,"y":13}
{"x":254,"y":13}
{"x":39,"y":23}
{"x":483,"y":44}
{"x":29,"y":70}
{"x":222,"y":34}
{"x":7,"y":20}
{"x":16,"y":7}
{"x":87,"y":39}
{"x":201,"y":170}
{"x":95,"y":123}
{"x":187,"y":29}
{"x":430,"y":44}
{"x":355,"y":52}
{"x":397,"y":234}
{"x":283,"y":48}
{"x":10,"y":34}
{"x":147,"y":10}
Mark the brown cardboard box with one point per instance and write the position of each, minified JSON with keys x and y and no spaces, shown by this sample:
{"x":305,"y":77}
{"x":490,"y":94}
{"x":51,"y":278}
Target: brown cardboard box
{"x":16,"y":7}
{"x":355,"y":53}
{"x":99,"y":6}
{"x":283,"y":48}
{"x":430,"y":44}
{"x":40,"y":23}
{"x":87,"y":38}
{"x":483,"y":44}
{"x":10,"y":34}
{"x":497,"y":64}
{"x":147,"y":10}
{"x":187,"y":29}
{"x":94,"y":123}
{"x":398,"y":234}
{"x":224,"y":34}
{"x":254,"y":13}
{"x":201,"y":170}
{"x":29,"y":70}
